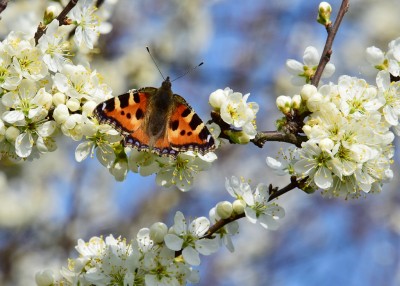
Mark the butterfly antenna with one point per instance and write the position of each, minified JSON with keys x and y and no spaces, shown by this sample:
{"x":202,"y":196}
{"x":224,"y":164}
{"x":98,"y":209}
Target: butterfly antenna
{"x":188,"y":71}
{"x":154,"y":61}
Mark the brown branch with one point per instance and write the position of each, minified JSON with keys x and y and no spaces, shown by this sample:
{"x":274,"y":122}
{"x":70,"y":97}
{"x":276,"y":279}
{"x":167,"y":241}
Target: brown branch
{"x":3,"y":5}
{"x":62,"y":20}
{"x":327,"y":52}
{"x":263,"y":136}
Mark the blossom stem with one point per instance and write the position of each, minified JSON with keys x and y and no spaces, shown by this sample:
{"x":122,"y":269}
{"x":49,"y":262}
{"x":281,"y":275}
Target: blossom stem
{"x":41,"y":29}
{"x":326,"y":54}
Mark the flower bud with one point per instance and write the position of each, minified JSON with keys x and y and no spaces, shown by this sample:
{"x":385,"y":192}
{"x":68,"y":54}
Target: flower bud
{"x":284,"y":103}
{"x":375,"y":56}
{"x":217,"y":98}
{"x":61,"y":113}
{"x":224,"y":209}
{"x":73,"y":104}
{"x":88,"y":107}
{"x":58,"y":98}
{"x":12,"y":134}
{"x":157,"y":232}
{"x":314,"y":102}
{"x":44,"y":278}
{"x":307,"y":91}
{"x":296,"y":102}
{"x":326,"y":144}
{"x":238,"y":206}
{"x":238,"y":137}
{"x":324,"y":13}
{"x":50,"y":14}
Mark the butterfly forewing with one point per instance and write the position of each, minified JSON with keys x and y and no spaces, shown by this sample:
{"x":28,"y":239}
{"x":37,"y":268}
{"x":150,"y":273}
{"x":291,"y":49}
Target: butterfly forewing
{"x":126,"y":114}
{"x":186,"y":131}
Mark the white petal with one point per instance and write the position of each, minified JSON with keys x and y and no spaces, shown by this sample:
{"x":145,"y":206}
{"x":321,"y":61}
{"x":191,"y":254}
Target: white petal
{"x":173,"y":242}
{"x":323,"y":178}
{"x":294,"y":67}
{"x":268,"y":222}
{"x":311,"y":56}
{"x":83,"y":150}
{"x":390,"y":115}
{"x":191,"y":256}
{"x":250,"y":214}
{"x":61,"y":82}
{"x":383,"y":80}
{"x":329,"y":70}
{"x":23,"y":145}
{"x":374,"y":56}
{"x":13,"y":116}
{"x":47,"y":128}
{"x":207,"y":246}
{"x":199,"y":226}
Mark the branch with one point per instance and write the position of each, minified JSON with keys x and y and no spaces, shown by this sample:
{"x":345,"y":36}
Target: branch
{"x":62,"y":20}
{"x":3,"y":5}
{"x":327,"y":52}
{"x":263,"y":136}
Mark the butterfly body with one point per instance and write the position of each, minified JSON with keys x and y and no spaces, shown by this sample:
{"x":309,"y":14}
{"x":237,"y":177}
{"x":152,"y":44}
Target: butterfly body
{"x":156,"y":120}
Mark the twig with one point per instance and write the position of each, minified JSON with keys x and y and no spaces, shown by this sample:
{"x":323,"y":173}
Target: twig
{"x":3,"y":5}
{"x":327,"y":52}
{"x":263,"y":136}
{"x":62,"y":20}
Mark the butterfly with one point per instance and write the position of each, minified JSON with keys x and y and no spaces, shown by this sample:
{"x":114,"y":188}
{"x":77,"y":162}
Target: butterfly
{"x":156,"y":120}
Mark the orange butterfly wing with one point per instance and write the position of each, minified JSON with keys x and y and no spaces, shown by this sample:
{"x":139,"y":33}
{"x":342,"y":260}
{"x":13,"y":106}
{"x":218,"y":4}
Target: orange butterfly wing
{"x":186,"y":131}
{"x":126,"y":114}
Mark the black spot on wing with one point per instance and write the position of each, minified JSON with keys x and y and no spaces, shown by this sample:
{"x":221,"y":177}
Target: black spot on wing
{"x":174,"y":125}
{"x":136,"y":97}
{"x":186,"y":112}
{"x":128,"y":115}
{"x":139,"y":114}
{"x":182,"y":132}
{"x":204,"y":134}
{"x":196,"y":121}
{"x":124,"y":100}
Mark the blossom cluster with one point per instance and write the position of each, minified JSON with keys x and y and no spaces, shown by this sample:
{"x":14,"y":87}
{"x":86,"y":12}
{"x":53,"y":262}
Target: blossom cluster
{"x":349,"y":139}
{"x":42,"y":91}
{"x":162,"y":255}
{"x":234,"y":110}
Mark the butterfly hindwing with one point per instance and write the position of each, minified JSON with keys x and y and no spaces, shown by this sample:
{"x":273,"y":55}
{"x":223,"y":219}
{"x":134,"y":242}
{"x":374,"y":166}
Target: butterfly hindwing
{"x":186,"y":131}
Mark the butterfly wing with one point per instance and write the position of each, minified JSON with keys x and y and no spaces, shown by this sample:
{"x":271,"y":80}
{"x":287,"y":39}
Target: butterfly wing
{"x":186,"y":131}
{"x":126,"y":114}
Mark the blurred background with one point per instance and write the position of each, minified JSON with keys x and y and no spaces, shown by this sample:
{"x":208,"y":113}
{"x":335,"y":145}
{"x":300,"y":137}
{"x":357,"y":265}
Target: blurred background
{"x":47,"y":204}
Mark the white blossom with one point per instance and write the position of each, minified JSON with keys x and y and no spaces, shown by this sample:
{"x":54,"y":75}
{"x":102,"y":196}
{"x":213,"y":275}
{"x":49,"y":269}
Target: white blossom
{"x":302,"y":73}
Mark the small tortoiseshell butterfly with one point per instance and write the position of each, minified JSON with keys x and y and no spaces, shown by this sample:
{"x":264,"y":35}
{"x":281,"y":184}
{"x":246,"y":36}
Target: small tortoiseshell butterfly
{"x":156,"y":120}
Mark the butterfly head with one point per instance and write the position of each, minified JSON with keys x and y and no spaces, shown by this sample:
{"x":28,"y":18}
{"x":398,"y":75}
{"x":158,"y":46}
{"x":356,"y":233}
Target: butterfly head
{"x":166,"y":84}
